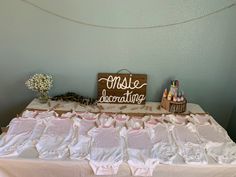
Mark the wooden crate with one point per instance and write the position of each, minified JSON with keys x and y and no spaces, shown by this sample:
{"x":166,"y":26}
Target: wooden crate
{"x":173,"y":106}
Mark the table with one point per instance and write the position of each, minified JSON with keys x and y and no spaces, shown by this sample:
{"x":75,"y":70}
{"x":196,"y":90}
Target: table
{"x":32,"y":167}
{"x":148,"y":108}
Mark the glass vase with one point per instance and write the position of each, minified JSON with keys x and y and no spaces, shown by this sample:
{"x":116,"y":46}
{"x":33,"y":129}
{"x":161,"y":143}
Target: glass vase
{"x":43,"y":97}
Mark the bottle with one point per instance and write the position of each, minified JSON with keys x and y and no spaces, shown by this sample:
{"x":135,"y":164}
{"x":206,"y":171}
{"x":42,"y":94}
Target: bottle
{"x":175,"y":97}
{"x":182,"y":95}
{"x":169,"y":97}
{"x":165,"y":93}
{"x":179,"y":96}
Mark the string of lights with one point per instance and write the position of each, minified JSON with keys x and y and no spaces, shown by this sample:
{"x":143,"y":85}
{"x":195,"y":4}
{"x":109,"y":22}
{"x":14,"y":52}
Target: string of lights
{"x":126,"y":27}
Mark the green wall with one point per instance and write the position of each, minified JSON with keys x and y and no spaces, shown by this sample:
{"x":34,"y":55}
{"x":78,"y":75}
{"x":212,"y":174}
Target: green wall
{"x":232,"y":124}
{"x":231,"y":128}
{"x":201,"y":54}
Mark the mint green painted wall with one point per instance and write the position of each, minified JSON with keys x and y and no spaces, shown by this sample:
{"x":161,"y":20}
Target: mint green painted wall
{"x":201,"y":54}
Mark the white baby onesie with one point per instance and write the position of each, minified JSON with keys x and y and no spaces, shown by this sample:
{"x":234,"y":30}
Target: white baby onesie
{"x":20,"y":130}
{"x":54,"y":141}
{"x":80,"y":146}
{"x":42,"y":119}
{"x":139,"y":150}
{"x":46,"y":115}
{"x":200,"y":119}
{"x":120,"y":120}
{"x":189,"y":144}
{"x":164,"y":149}
{"x":88,"y":116}
{"x":211,"y":133}
{"x":159,"y":118}
{"x":177,"y":119}
{"x":31,"y":142}
{"x":106,"y":150}
{"x":217,"y":143}
{"x":68,"y":115}
{"x":29,"y":114}
{"x":106,"y":121}
{"x":223,"y":153}
{"x":135,"y":123}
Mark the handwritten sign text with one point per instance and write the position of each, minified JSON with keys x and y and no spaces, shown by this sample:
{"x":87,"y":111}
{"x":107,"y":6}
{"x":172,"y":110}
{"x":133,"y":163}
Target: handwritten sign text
{"x":122,"y":88}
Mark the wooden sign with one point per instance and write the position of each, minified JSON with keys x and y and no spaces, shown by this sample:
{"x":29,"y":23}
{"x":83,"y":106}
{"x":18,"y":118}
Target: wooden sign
{"x":122,"y":88}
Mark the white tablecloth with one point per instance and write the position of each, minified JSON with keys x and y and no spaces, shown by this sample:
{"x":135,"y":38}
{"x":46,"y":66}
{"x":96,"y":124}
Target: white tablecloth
{"x":42,"y":168}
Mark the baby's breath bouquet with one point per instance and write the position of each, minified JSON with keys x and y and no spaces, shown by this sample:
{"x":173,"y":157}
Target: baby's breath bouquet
{"x":40,"y":83}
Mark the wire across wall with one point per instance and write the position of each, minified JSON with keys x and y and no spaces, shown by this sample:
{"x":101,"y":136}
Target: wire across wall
{"x":126,"y":27}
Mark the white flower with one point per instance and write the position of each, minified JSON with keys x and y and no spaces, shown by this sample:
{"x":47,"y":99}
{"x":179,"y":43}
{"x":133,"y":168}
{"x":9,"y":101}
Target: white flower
{"x":40,"y":82}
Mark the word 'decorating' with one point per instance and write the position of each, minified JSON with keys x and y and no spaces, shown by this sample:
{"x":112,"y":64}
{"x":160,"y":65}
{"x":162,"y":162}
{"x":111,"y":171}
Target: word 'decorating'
{"x":122,"y":88}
